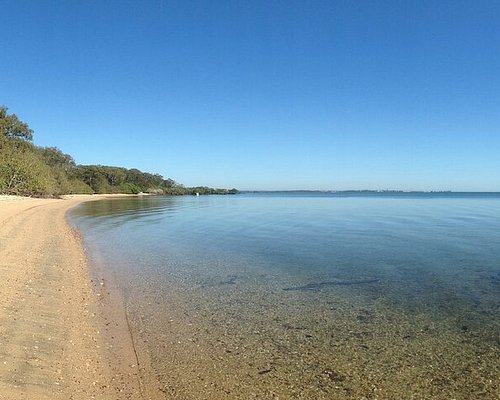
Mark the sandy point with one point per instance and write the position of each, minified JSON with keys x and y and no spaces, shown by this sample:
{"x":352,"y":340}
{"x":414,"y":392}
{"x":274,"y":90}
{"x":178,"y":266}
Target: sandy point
{"x":58,"y":339}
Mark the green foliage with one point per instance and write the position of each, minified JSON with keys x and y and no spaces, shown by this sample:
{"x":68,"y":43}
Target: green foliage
{"x":22,"y":170}
{"x":101,"y":185}
{"x":55,"y":158}
{"x":129,"y":188}
{"x":180,"y":190}
{"x":26,"y":169}
{"x":12,"y":127}
{"x":77,"y":186}
{"x":106,"y":179}
{"x":61,"y":165}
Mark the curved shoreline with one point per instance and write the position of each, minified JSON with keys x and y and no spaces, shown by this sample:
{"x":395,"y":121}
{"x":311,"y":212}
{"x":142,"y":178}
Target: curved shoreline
{"x":61,"y":335}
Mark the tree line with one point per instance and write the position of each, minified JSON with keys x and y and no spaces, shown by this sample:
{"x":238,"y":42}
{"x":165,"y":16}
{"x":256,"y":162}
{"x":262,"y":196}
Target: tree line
{"x":30,"y":170}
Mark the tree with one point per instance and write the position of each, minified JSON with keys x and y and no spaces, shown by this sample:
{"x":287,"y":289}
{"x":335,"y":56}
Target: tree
{"x":27,"y":169}
{"x":61,"y":166}
{"x":55,"y":158}
{"x":12,"y":127}
{"x":169,"y":183}
{"x":22,"y":170}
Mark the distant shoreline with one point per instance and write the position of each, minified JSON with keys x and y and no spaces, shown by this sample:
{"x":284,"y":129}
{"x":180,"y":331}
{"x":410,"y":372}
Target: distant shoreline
{"x":374,"y":193}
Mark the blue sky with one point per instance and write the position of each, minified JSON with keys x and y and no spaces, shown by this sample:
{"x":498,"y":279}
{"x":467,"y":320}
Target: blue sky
{"x":264,"y":94}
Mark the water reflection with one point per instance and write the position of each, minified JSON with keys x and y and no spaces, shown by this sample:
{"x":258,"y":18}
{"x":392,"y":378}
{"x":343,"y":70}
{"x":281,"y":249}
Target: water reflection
{"x":380,"y":284}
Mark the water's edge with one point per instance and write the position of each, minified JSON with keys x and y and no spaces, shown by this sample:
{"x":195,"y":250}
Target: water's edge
{"x":231,"y":335}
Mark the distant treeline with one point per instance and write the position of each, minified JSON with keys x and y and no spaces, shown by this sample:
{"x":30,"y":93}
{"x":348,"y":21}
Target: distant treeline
{"x":29,"y":170}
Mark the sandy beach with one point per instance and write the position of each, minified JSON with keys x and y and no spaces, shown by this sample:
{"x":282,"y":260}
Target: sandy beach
{"x":62,"y":336}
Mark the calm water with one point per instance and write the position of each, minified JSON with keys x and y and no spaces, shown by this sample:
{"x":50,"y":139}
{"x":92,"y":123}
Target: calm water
{"x":300,"y":295}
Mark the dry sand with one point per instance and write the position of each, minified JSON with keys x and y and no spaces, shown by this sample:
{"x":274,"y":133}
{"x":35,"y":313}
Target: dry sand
{"x":62,"y":336}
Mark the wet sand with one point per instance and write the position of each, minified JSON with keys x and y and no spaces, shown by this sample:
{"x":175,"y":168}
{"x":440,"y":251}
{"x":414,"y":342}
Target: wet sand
{"x":62,"y":336}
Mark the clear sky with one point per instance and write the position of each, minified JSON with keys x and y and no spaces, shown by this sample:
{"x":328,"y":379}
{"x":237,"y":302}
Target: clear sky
{"x":264,"y":94}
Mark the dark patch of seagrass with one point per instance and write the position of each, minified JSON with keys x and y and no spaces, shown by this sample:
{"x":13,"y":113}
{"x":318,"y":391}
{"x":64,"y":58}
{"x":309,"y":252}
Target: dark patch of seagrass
{"x":326,"y":284}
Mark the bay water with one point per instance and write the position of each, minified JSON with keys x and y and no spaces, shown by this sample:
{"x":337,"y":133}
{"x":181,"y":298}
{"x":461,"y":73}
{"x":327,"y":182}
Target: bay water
{"x":308,"y":295}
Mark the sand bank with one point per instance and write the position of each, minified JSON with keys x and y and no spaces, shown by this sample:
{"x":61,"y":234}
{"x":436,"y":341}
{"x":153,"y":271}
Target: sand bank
{"x":59,"y":337}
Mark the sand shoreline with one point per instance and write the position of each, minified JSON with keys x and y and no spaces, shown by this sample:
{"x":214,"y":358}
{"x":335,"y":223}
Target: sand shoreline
{"x":63,"y":332}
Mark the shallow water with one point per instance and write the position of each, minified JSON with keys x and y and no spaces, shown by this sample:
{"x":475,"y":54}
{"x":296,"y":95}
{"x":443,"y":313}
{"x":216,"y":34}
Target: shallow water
{"x":309,"y":295}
